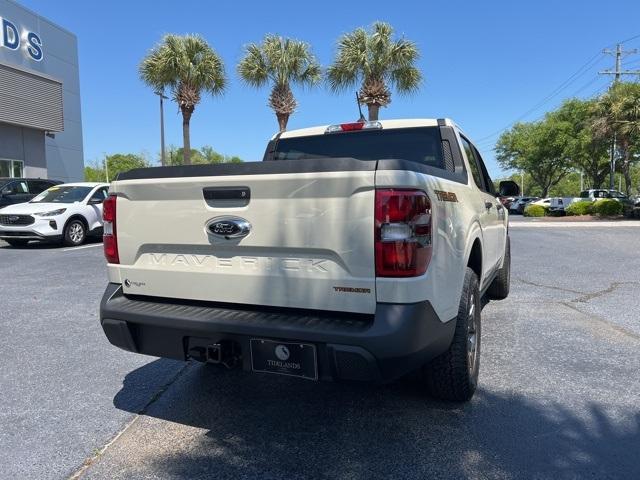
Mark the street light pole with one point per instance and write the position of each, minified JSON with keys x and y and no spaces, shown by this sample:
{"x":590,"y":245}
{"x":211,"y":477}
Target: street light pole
{"x":162,"y":97}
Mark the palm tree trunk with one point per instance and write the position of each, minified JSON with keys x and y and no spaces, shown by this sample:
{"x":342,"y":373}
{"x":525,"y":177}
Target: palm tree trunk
{"x":186,"y":135}
{"x":283,"y":119}
{"x":283,"y":103}
{"x":374,"y":109}
{"x":626,"y":172}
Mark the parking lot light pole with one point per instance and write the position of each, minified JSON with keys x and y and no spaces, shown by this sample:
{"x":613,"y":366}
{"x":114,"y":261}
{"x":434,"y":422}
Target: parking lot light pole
{"x":162,"y":153}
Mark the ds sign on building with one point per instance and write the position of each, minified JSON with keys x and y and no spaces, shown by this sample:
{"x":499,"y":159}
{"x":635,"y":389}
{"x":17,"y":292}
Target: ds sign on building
{"x":15,"y":38}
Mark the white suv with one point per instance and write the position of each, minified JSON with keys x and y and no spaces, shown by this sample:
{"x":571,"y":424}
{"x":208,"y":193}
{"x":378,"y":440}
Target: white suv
{"x":356,"y":251}
{"x":67,"y":213}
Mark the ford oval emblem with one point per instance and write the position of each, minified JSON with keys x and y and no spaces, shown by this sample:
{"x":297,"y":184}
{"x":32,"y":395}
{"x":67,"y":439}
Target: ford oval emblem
{"x":228,"y":227}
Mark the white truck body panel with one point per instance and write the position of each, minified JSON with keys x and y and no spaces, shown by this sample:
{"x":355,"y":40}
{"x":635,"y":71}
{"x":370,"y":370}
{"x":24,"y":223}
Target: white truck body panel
{"x":452,"y":239}
{"x":311,"y":232}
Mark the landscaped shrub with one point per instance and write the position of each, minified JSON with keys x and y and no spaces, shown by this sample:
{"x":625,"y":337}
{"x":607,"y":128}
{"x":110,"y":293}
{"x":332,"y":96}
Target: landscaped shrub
{"x":579,"y":208}
{"x":535,"y":211}
{"x":607,"y":207}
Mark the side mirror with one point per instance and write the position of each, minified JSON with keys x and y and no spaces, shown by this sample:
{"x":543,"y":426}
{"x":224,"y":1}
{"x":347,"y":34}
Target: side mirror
{"x":96,"y":201}
{"x":509,"y":188}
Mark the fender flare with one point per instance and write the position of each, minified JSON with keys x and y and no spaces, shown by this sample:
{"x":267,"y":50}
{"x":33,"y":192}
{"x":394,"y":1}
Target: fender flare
{"x":474,"y":233}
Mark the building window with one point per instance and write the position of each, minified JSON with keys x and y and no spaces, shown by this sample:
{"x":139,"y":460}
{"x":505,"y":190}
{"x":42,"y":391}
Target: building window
{"x":10,"y":168}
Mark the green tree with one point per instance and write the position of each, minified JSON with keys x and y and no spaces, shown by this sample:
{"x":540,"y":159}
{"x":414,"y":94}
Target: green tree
{"x":375,"y":61}
{"x":123,"y":162}
{"x":187,"y":66}
{"x":175,"y":156}
{"x":211,"y":156}
{"x":280,"y":62}
{"x":206,"y":155}
{"x":94,"y":173}
{"x":584,"y":150}
{"x":618,"y":117}
{"x":537,"y":148}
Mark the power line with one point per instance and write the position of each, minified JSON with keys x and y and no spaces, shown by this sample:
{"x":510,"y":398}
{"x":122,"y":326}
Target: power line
{"x":577,"y":74}
{"x":602,"y":86}
{"x":585,"y":86}
{"x":601,"y":89}
{"x":631,"y":38}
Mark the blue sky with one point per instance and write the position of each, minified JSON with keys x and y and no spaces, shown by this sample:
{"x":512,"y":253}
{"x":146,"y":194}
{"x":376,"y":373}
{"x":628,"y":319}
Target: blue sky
{"x":485,"y":64}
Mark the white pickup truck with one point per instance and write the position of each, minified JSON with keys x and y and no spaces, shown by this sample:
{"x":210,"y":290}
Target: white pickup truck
{"x":355,"y":251}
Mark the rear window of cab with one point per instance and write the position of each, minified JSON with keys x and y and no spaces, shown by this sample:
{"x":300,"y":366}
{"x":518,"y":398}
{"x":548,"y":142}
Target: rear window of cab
{"x":419,"y":144}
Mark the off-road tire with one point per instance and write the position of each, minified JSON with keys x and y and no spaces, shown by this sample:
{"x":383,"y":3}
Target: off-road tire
{"x":454,"y":374}
{"x":75,"y":233}
{"x":17,"y":242}
{"x":499,"y":288}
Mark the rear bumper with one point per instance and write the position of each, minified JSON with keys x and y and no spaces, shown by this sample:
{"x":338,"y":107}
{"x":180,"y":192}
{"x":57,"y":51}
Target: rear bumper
{"x":396,"y":340}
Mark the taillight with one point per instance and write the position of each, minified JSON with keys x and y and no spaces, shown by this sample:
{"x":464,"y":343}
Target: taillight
{"x":110,"y":237}
{"x":402,"y":233}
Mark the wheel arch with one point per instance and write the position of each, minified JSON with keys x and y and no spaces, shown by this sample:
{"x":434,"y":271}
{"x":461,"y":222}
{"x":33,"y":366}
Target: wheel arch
{"x":77,"y":216}
{"x":474,"y":258}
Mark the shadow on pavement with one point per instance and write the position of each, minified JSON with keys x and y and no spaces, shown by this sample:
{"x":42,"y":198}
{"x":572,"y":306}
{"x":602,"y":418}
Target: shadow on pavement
{"x":273,"y":427}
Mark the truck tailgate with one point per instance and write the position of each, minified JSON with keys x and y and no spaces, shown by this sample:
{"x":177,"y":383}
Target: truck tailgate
{"x":310,"y":243}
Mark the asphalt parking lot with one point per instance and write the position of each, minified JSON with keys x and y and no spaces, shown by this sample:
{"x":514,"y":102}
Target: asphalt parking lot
{"x":559,"y":392}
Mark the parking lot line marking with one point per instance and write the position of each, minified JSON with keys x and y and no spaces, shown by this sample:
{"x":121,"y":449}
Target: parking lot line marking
{"x":81,"y":247}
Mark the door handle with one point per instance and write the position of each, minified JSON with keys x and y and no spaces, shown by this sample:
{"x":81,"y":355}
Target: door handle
{"x":488,"y":205}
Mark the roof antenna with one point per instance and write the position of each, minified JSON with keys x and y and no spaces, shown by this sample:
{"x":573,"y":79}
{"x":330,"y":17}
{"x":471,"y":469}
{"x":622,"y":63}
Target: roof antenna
{"x":361,"y":119}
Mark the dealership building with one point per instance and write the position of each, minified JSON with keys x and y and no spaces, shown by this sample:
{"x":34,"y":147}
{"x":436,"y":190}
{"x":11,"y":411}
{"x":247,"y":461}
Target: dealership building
{"x":40,"y":121}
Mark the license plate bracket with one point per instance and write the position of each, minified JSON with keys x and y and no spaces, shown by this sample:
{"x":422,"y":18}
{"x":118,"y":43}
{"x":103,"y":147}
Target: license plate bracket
{"x":293,"y":359}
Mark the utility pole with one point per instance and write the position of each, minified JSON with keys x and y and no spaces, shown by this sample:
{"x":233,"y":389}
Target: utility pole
{"x":619,"y":54}
{"x":162,"y":97}
{"x":612,"y":162}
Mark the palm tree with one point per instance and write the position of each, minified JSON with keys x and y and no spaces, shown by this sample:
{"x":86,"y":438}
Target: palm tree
{"x":187,"y":66}
{"x":281,"y":62}
{"x":618,"y":118}
{"x":375,"y":61}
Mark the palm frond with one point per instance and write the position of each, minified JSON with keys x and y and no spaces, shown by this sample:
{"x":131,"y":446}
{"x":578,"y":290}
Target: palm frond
{"x":374,"y":59}
{"x":185,"y":64}
{"x":282,"y":61}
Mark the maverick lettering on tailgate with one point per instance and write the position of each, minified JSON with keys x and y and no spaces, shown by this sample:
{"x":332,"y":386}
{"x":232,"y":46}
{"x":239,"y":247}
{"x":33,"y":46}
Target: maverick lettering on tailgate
{"x":310,"y":265}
